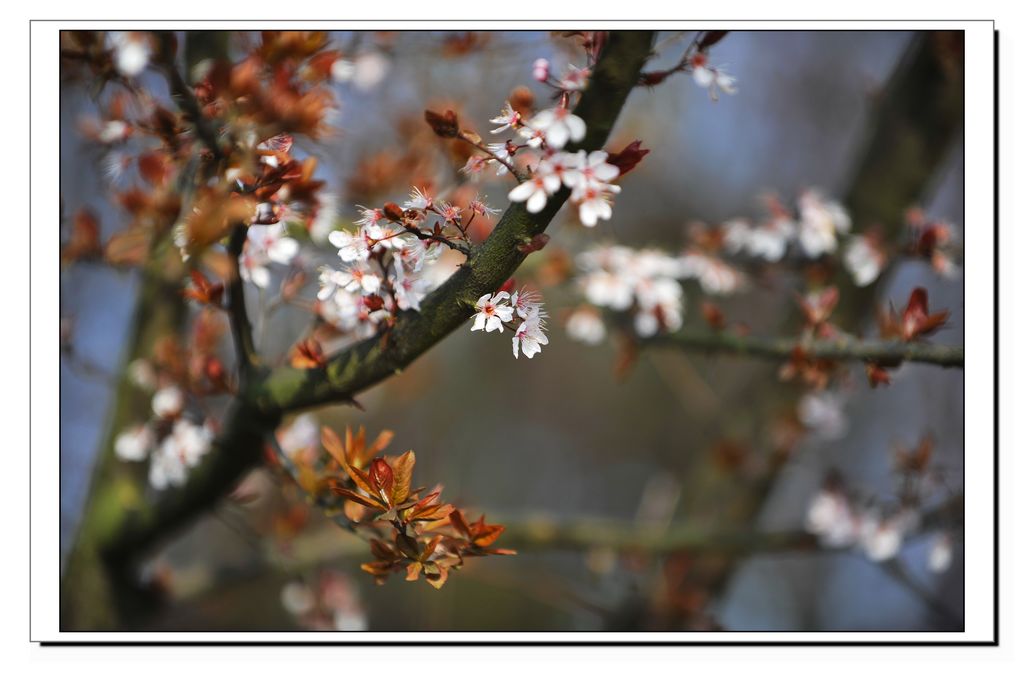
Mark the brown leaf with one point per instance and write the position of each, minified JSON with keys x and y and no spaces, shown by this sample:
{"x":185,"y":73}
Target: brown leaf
{"x":443,"y":125}
{"x":402,"y":467}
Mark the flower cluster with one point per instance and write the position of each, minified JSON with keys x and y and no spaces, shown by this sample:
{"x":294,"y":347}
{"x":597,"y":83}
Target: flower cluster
{"x":643,"y":283}
{"x":839,"y":522}
{"x":840,"y":518}
{"x":384,"y":262}
{"x":522,"y":311}
{"x":172,"y":442}
{"x":588,"y":175}
{"x":814,"y":229}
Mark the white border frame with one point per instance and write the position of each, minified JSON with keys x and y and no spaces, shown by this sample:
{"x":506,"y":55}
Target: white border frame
{"x":979,"y":271}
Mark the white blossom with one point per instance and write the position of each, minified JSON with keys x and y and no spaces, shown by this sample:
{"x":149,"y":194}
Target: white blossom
{"x":168,"y":402}
{"x":822,"y":413}
{"x":529,"y":336}
{"x":492,"y":313}
{"x":940,"y":554}
{"x":134,"y":444}
{"x":820,"y":224}
{"x":863,"y":260}
{"x":585,"y":325}
{"x":132,"y":52}
{"x":559,"y":126}
{"x":536,"y":190}
{"x":265,"y":244}
{"x":179,"y":452}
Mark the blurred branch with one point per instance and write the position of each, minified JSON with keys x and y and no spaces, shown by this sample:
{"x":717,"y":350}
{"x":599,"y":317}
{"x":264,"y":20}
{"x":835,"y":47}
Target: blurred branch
{"x":184,"y":96}
{"x":326,"y":544}
{"x":241,"y":328}
{"x":914,"y":123}
{"x":880,"y":351}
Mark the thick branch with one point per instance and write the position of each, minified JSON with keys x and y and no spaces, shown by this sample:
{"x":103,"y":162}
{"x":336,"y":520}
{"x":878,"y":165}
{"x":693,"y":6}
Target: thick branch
{"x":883,"y":352}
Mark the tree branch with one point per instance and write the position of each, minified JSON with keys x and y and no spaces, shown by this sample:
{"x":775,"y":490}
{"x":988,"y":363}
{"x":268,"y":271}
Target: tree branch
{"x":241,"y":328}
{"x":880,"y":351}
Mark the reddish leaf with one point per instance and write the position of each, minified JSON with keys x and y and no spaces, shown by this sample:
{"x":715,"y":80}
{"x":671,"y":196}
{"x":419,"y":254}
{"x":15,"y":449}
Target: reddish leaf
{"x":629,"y":156}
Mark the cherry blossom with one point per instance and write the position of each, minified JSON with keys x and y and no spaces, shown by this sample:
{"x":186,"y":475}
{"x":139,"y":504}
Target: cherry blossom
{"x":351,"y":247}
{"x":820,"y":224}
{"x":527,"y":304}
{"x":135,"y":443}
{"x":418,"y":200}
{"x":714,"y":275}
{"x":132,"y":52}
{"x":712,"y":78}
{"x":541,"y":70}
{"x":881,"y":538}
{"x":536,"y":190}
{"x":831,"y":517}
{"x":822,"y":413}
{"x":559,"y":126}
{"x":530,"y":337}
{"x":585,"y":325}
{"x":266,"y":244}
{"x":864,"y":260}
{"x":492,"y":313}
{"x":508,"y":118}
{"x":168,"y":402}
{"x":940,"y":553}
{"x":179,"y":452}
{"x":502,"y":154}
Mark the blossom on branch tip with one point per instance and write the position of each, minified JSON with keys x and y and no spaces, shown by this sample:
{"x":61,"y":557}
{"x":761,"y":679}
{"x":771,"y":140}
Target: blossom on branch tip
{"x":508,"y":118}
{"x":712,"y":78}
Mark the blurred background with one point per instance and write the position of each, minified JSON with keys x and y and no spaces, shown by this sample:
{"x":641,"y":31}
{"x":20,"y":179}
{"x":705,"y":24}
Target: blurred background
{"x":561,"y":437}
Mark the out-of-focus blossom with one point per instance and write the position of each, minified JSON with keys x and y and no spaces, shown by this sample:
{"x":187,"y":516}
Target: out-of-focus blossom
{"x":821,"y":223}
{"x":132,"y":52}
{"x":168,"y":402}
{"x":714,"y":275}
{"x":178,"y":453}
{"x":266,"y":244}
{"x":541,"y":70}
{"x":940,"y":554}
{"x":134,"y":444}
{"x":831,"y":517}
{"x":822,"y":413}
{"x":585,"y":325}
{"x":881,"y":538}
{"x":864,"y":260}
{"x":302,"y":435}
